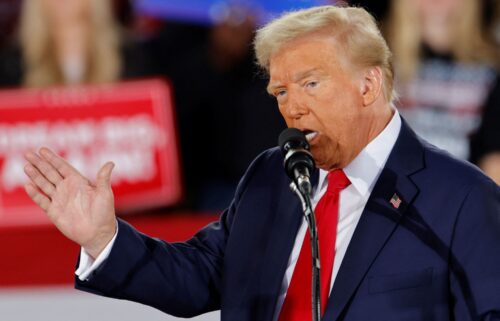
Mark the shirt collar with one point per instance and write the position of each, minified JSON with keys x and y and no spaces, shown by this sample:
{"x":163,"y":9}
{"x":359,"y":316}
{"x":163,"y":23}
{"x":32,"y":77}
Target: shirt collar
{"x":364,"y":170}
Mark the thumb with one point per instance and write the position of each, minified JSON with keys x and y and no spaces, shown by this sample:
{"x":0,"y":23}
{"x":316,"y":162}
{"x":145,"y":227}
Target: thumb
{"x":104,"y":175}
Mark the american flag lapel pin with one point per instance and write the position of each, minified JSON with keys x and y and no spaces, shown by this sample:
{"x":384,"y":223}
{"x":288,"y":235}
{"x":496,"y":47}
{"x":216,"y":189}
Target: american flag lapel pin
{"x":395,"y":201}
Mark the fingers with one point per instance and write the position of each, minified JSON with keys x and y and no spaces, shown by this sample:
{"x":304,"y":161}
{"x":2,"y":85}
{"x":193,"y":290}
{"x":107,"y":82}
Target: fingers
{"x":39,"y":180}
{"x":46,"y":169}
{"x":37,"y":197}
{"x":104,"y":175}
{"x":57,"y":162}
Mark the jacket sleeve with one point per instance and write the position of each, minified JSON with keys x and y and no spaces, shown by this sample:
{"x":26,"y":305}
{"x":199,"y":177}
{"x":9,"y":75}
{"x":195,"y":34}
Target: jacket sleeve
{"x":475,"y":255}
{"x":181,"y":279}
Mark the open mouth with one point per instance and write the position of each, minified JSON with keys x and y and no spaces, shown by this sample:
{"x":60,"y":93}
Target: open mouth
{"x":310,"y":135}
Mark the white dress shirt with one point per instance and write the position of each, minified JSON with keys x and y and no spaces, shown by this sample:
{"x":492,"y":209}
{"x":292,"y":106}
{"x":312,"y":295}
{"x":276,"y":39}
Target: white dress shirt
{"x":88,"y":265}
{"x":362,"y":172}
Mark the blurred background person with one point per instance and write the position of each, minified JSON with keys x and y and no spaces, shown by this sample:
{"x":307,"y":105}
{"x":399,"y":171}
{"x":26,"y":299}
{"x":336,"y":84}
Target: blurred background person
{"x":70,"y":42}
{"x":447,"y":74}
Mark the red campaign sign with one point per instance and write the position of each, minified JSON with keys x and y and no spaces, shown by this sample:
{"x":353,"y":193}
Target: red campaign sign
{"x":129,"y":123}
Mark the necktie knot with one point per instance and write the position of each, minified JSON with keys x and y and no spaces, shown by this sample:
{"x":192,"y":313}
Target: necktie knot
{"x":337,"y":180}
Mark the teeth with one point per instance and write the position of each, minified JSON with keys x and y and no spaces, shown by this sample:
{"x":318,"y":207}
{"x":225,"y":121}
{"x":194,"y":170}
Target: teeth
{"x":311,"y":136}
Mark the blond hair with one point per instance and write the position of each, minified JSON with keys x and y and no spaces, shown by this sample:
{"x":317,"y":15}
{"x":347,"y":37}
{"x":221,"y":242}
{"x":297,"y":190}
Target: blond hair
{"x":404,"y":36}
{"x":36,"y":39}
{"x":354,"y":28}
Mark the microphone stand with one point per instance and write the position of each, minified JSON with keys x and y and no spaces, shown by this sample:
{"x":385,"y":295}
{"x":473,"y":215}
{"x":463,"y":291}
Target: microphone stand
{"x":303,"y":193}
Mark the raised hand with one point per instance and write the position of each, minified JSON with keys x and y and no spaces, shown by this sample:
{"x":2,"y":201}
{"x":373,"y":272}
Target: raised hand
{"x":82,"y":211}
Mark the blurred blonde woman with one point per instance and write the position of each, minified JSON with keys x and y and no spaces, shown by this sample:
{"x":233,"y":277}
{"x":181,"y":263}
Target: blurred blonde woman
{"x":446,"y":72}
{"x":69,"y":42}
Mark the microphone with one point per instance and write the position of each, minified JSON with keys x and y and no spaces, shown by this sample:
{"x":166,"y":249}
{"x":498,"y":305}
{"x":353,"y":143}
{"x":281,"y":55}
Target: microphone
{"x":298,"y":162}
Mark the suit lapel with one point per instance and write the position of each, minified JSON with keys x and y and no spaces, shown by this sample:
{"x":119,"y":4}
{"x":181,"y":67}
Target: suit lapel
{"x":378,"y":220}
{"x":287,"y":220}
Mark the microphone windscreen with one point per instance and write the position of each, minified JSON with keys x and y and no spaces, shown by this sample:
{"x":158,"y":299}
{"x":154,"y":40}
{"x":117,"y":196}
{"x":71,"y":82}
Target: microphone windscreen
{"x":293,"y":136}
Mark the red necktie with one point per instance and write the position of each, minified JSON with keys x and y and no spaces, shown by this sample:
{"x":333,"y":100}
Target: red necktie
{"x":298,"y":303}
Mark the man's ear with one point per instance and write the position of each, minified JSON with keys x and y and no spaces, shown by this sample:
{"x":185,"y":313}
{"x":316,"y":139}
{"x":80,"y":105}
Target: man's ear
{"x":371,"y":85}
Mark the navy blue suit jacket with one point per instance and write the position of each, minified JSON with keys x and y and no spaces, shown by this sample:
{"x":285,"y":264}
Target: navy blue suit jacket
{"x":436,"y":257}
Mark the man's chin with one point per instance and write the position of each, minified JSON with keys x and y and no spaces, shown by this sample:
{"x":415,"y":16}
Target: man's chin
{"x":322,"y":165}
{"x":326,"y":165}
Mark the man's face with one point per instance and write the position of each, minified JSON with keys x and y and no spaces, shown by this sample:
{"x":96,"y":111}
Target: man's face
{"x":318,"y":93}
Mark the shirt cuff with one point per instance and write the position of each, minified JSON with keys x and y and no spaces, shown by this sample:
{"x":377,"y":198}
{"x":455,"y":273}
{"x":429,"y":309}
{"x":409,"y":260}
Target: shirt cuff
{"x":88,"y":265}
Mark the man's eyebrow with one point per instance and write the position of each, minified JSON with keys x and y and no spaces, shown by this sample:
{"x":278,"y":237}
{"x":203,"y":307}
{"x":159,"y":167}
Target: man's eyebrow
{"x":270,"y":88}
{"x":301,"y":75}
{"x":304,"y":74}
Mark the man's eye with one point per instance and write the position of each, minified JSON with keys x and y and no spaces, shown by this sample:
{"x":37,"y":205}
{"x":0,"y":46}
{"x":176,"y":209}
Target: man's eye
{"x":280,"y":93}
{"x":312,"y":84}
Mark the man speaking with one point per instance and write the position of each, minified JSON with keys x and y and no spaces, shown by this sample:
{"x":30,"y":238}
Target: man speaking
{"x":406,"y":232}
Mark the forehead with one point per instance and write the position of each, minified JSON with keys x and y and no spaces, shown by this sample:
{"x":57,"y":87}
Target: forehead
{"x":306,"y":53}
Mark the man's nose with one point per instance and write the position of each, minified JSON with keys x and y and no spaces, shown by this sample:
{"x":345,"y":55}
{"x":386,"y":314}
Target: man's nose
{"x":296,"y":106}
